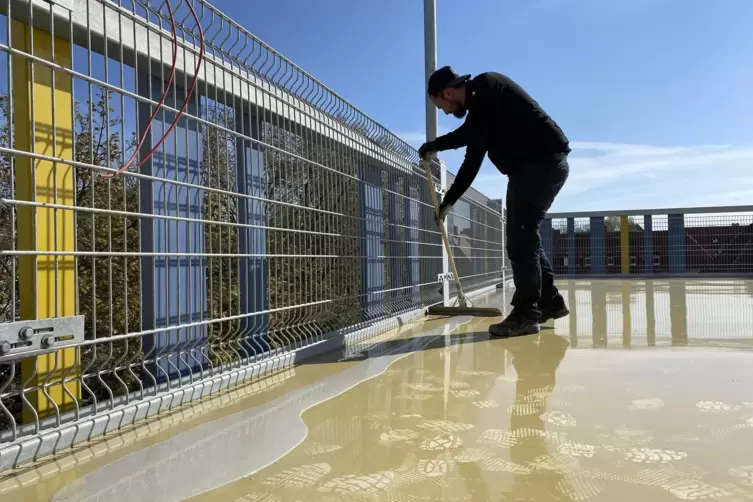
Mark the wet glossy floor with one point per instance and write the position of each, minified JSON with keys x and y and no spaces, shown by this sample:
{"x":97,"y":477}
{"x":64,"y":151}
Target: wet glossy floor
{"x":645,"y":392}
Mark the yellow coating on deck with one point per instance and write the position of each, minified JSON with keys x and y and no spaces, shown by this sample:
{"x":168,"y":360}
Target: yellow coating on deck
{"x":643,"y":393}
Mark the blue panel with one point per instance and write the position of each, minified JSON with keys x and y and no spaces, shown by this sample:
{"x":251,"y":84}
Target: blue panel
{"x":173,"y":288}
{"x":676,"y":241}
{"x":571,"y":257}
{"x":648,"y":244}
{"x":412,"y":210}
{"x":364,"y":296}
{"x":547,"y":238}
{"x":397,"y":263}
{"x":598,"y":245}
{"x":253,"y":270}
{"x":372,"y":214}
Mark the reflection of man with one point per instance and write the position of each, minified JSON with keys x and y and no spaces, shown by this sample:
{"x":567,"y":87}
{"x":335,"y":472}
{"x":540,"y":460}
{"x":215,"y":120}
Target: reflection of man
{"x":535,"y":359}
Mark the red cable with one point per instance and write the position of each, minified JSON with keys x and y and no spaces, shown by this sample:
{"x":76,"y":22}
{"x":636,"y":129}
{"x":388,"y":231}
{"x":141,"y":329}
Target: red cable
{"x":185,"y":101}
{"x":190,"y":91}
{"x":161,"y":101}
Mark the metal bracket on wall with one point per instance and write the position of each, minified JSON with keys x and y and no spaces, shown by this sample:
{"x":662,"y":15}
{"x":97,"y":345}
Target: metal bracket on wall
{"x":449,"y":276}
{"x":30,"y":338}
{"x":438,"y":188}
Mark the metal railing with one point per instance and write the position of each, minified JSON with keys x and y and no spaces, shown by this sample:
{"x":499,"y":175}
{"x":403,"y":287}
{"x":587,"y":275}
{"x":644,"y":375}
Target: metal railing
{"x":678,"y":241}
{"x":158,"y":245}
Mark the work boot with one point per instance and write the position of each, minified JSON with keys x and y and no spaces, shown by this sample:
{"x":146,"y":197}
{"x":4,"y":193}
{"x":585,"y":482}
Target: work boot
{"x":553,"y":309}
{"x":516,"y":324}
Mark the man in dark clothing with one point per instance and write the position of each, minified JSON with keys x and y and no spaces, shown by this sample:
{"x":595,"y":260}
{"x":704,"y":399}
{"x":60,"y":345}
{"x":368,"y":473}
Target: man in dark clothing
{"x":525,"y":144}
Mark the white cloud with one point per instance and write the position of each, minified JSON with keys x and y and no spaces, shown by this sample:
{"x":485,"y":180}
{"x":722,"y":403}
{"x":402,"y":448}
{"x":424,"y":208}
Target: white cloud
{"x":633,"y":149}
{"x":609,"y":176}
{"x":620,"y":176}
{"x":617,"y":162}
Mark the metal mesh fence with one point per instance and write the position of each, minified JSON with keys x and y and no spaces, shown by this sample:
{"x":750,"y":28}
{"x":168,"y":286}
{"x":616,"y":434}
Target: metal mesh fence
{"x":475,"y":231}
{"x":672,"y":241}
{"x":199,"y":201}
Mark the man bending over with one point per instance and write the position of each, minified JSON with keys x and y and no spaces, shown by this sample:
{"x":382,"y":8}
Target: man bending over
{"x":525,"y":144}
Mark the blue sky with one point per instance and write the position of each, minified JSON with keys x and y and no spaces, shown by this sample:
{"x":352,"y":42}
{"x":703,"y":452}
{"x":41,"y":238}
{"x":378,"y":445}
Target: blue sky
{"x":656,"y":95}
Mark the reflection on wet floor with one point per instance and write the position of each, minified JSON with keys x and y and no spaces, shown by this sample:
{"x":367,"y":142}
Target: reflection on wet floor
{"x":525,"y":419}
{"x":441,"y":412}
{"x":639,"y":313}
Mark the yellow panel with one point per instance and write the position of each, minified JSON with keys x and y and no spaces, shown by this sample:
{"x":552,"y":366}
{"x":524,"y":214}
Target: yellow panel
{"x":625,"y":244}
{"x":47,"y":284}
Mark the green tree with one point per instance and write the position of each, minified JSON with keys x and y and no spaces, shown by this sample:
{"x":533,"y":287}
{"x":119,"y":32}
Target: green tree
{"x":612,"y":223}
{"x":318,"y":216}
{"x":315,"y":213}
{"x":8,"y":283}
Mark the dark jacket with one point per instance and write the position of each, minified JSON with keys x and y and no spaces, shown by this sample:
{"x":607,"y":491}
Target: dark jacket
{"x":504,"y":122}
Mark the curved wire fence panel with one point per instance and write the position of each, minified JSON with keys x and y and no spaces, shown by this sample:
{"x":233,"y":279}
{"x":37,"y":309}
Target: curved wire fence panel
{"x":675,"y":241}
{"x":475,"y":229}
{"x":196,"y":203}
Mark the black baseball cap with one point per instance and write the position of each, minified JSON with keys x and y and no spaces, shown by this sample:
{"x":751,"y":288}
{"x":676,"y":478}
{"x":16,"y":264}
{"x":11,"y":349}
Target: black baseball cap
{"x":443,"y":78}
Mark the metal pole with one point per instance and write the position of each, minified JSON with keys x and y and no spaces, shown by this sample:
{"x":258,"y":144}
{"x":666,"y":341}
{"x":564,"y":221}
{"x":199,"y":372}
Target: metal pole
{"x":430,"y":63}
{"x":430,"y":60}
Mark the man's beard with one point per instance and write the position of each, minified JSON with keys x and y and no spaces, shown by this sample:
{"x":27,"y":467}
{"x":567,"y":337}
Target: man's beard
{"x":460,"y":113}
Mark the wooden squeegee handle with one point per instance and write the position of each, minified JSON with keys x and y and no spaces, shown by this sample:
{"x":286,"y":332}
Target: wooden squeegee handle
{"x":435,"y":199}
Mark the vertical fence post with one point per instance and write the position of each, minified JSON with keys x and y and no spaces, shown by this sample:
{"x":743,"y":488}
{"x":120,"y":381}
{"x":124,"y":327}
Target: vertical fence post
{"x":43,"y":122}
{"x":547,"y":240}
{"x":445,"y":256}
{"x":648,"y":244}
{"x":624,"y":245}
{"x":571,"y":254}
{"x":598,"y":247}
{"x":676,"y":244}
{"x":503,"y":237}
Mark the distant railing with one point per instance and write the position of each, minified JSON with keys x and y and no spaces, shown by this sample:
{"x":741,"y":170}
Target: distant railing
{"x":159,"y":243}
{"x":710,"y":240}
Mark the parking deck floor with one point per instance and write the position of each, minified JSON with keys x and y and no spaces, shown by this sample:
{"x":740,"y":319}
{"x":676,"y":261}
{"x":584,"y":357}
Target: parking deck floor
{"x":645,"y":392}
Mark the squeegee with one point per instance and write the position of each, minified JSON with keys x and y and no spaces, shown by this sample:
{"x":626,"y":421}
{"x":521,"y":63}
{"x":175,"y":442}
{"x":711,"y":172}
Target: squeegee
{"x":462,"y":306}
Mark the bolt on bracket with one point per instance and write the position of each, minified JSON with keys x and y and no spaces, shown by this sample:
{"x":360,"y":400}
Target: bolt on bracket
{"x":30,"y":338}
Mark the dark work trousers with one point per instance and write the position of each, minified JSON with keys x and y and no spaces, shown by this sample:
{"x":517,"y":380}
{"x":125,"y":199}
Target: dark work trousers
{"x":530,"y":193}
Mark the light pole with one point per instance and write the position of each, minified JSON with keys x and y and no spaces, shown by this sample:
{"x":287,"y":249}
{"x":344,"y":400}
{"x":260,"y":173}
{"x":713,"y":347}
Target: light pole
{"x":430,"y":61}
{"x":430,"y":64}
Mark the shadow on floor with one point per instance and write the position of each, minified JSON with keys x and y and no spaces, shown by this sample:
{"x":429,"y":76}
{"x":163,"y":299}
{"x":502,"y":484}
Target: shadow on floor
{"x":365,"y":351}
